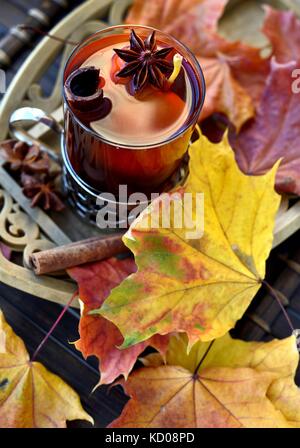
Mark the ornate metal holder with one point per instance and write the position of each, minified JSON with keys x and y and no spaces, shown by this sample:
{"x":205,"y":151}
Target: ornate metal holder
{"x":85,"y":200}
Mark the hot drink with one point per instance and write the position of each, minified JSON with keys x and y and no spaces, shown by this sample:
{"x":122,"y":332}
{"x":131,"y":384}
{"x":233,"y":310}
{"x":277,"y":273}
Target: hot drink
{"x":133,"y":96}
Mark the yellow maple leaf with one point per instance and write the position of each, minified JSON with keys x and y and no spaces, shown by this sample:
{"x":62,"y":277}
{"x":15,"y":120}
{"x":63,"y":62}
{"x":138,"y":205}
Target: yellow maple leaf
{"x":31,"y":396}
{"x":202,"y":285}
{"x":279,"y":357}
{"x":224,"y":383}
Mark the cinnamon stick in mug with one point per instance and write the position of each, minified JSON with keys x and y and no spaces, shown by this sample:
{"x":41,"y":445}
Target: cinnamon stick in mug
{"x":74,"y":254}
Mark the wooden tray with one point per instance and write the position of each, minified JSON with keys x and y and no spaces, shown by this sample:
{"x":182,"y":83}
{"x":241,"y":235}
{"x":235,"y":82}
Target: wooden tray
{"x":27,"y":230}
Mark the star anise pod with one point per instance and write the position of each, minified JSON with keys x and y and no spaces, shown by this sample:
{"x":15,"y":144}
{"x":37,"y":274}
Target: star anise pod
{"x":43,"y":191}
{"x":144,"y":62}
{"x":21,"y":156}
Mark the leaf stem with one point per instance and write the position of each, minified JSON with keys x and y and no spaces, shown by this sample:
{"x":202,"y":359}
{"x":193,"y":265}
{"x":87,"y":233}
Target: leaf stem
{"x":66,"y":307}
{"x":203,"y":357}
{"x":274,"y":294}
{"x":44,"y":33}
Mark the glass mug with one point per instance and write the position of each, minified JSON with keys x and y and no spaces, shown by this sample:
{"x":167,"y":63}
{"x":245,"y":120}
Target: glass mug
{"x":99,"y":160}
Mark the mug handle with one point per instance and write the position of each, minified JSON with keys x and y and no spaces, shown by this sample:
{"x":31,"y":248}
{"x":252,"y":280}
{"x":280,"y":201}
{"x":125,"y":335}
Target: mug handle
{"x":21,"y":118}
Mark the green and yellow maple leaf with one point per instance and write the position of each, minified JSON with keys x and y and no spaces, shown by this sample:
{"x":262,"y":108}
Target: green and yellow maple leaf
{"x":199,"y":286}
{"x":225,"y":383}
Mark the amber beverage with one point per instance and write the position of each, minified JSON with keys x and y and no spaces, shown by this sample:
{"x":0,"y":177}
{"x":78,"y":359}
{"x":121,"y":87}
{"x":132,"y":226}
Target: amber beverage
{"x":129,"y":115}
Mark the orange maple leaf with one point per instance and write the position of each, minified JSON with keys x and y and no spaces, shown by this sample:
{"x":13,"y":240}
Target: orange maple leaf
{"x":225,"y":383}
{"x":234,"y":72}
{"x":99,"y":336}
{"x":283,"y":30}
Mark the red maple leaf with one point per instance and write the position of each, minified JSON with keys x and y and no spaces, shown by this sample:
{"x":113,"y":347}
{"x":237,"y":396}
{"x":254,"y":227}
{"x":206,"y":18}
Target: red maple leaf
{"x":99,"y":336}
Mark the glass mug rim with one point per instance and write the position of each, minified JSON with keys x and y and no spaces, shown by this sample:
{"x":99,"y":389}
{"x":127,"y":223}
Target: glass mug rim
{"x":188,"y":124}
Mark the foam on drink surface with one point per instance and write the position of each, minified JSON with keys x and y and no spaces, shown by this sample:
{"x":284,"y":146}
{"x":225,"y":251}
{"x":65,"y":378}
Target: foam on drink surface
{"x":147,"y":119}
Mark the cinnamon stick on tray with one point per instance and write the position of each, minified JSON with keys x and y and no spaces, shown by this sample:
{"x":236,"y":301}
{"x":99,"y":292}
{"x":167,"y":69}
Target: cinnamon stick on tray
{"x":74,"y":254}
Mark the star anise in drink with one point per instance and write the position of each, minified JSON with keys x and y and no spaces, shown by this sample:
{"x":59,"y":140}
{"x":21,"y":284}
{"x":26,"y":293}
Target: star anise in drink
{"x":22,"y":157}
{"x":145,"y":64}
{"x":43,"y":191}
